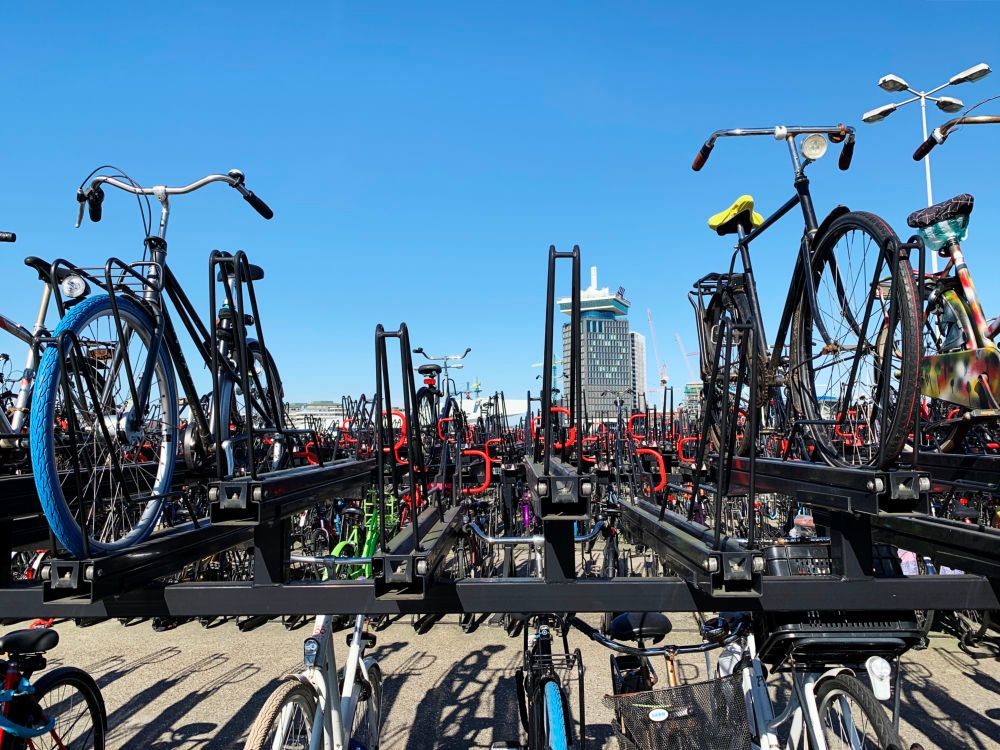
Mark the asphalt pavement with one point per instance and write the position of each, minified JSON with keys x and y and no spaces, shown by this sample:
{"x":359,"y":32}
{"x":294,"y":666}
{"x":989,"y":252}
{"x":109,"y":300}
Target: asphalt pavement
{"x":197,"y":687}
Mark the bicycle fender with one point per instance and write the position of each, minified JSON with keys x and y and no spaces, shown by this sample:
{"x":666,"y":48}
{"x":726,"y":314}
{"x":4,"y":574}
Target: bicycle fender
{"x":824,"y":225}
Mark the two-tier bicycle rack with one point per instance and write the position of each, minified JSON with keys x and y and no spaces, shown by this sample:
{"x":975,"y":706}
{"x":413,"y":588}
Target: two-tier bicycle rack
{"x":711,"y":571}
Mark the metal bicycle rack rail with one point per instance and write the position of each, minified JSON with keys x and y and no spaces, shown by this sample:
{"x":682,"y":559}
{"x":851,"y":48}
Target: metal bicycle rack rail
{"x":711,"y":571}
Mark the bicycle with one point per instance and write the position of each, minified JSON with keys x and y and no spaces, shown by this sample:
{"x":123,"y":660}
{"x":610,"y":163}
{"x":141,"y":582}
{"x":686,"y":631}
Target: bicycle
{"x":436,"y":406}
{"x":103,"y":449}
{"x":543,"y":689}
{"x":851,"y":367}
{"x":827,"y":708}
{"x":960,"y":369}
{"x":62,"y":709}
{"x":304,"y":711}
{"x":15,"y":405}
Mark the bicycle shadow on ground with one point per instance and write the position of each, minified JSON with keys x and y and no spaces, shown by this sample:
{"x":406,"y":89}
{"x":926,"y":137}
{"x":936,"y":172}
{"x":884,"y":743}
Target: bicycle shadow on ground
{"x":446,"y":714}
{"x":942,"y":716}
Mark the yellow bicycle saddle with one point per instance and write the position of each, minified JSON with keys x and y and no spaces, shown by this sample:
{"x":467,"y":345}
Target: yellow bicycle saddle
{"x":740,"y":214}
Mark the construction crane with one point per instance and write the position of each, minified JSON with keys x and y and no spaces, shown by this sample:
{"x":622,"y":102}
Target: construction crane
{"x":661,"y":367}
{"x":687,"y":361}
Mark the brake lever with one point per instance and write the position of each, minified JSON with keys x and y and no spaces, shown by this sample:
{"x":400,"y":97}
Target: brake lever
{"x":81,"y":198}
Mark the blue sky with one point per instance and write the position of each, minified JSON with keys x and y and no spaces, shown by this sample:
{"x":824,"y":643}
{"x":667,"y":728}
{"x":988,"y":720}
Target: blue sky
{"x":420,"y":158}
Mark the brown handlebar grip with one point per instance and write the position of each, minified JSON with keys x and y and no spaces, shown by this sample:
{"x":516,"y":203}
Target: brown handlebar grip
{"x":846,"y":155}
{"x":925,"y":148}
{"x":701,"y":157}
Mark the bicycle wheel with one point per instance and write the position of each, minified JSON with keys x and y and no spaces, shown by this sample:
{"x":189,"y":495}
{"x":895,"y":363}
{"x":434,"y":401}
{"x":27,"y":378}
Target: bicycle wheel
{"x":427,"y":420}
{"x":554,"y":718}
{"x":851,"y":271}
{"x":125,"y":465}
{"x":720,"y":395}
{"x":261,"y":410}
{"x":71,"y":697}
{"x":368,"y":715}
{"x":285,"y":721}
{"x":851,"y":716}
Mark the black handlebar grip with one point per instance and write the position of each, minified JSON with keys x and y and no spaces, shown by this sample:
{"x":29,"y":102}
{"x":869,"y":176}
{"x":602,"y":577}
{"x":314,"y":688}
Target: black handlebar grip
{"x":259,"y":206}
{"x":702,"y":156}
{"x":846,"y":154}
{"x":8,"y":237}
{"x":94,"y":202}
{"x":925,"y":148}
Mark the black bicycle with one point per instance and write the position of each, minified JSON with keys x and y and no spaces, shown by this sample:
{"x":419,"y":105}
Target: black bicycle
{"x":105,"y":434}
{"x":850,"y":322}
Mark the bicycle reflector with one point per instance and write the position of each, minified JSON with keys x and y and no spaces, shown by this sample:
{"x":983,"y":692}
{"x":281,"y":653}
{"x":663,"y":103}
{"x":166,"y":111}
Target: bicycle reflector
{"x":814,"y":146}
{"x":310,"y":648}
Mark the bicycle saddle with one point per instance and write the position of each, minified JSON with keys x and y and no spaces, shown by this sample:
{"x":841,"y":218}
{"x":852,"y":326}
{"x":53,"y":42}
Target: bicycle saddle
{"x":959,"y":206}
{"x":22,"y":642}
{"x":43,"y":267}
{"x":740,"y":214}
{"x":430,"y":370}
{"x":256,"y":273}
{"x":640,"y":626}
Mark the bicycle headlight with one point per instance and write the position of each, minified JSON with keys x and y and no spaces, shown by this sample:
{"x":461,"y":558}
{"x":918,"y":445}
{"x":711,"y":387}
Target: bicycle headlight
{"x":310,"y":649}
{"x":73,"y":286}
{"x":879,"y":672}
{"x":813,"y":146}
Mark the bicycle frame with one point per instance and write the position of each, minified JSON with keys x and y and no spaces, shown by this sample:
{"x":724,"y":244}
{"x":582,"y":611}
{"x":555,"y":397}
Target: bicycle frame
{"x":11,"y":428}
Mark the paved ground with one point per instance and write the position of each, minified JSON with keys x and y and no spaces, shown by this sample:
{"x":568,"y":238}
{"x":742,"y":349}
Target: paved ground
{"x":194,"y":687}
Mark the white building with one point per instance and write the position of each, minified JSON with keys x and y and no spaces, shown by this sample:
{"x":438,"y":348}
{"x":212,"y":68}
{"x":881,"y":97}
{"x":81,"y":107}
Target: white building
{"x":638,"y":351}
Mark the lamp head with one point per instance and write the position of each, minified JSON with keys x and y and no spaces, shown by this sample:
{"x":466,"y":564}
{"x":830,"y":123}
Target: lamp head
{"x":879,"y":113}
{"x":892,"y":83}
{"x":972,"y":74}
{"x":949,"y":104}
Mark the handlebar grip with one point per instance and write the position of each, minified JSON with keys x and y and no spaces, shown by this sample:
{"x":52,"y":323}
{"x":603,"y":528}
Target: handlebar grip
{"x":846,"y":155}
{"x":94,"y":202}
{"x":259,"y":206}
{"x":702,"y":156}
{"x":8,"y":237}
{"x":925,"y":148}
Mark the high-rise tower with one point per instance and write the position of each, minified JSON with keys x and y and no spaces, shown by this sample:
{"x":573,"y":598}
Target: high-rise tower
{"x":608,"y":351}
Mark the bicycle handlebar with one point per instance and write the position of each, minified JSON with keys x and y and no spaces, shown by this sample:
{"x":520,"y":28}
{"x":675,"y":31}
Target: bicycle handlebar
{"x":93,"y":196}
{"x":446,"y":358}
{"x":940,"y":134}
{"x":595,"y":635}
{"x":8,"y":237}
{"x":837,"y":134}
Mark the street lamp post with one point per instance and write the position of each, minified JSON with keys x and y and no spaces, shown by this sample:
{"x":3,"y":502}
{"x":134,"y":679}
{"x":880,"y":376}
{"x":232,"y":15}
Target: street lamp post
{"x":894,"y":83}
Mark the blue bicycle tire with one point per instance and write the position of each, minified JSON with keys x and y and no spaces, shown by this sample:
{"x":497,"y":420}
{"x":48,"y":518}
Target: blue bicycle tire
{"x":58,"y":512}
{"x":555,"y":715}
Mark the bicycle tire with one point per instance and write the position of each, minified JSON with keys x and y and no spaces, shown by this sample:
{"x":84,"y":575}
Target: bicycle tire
{"x":288,"y":694}
{"x":367,"y":730}
{"x":887,"y":737}
{"x":265,"y":422}
{"x":734,"y":306}
{"x":811,"y":395}
{"x":48,"y":685}
{"x":555,"y":717}
{"x":45,"y":463}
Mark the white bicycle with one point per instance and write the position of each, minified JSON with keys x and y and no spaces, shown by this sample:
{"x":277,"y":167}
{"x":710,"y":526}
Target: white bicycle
{"x":302,"y":712}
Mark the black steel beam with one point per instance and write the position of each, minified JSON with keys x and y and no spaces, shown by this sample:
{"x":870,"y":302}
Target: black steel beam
{"x":281,"y":493}
{"x":688,"y":547}
{"x":956,"y":469}
{"x":162,"y":555}
{"x":857,"y":490}
{"x":964,"y":546}
{"x":788,"y":594}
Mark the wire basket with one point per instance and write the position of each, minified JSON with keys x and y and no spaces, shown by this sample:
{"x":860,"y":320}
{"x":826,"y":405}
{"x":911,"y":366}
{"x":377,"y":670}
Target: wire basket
{"x":698,"y":716}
